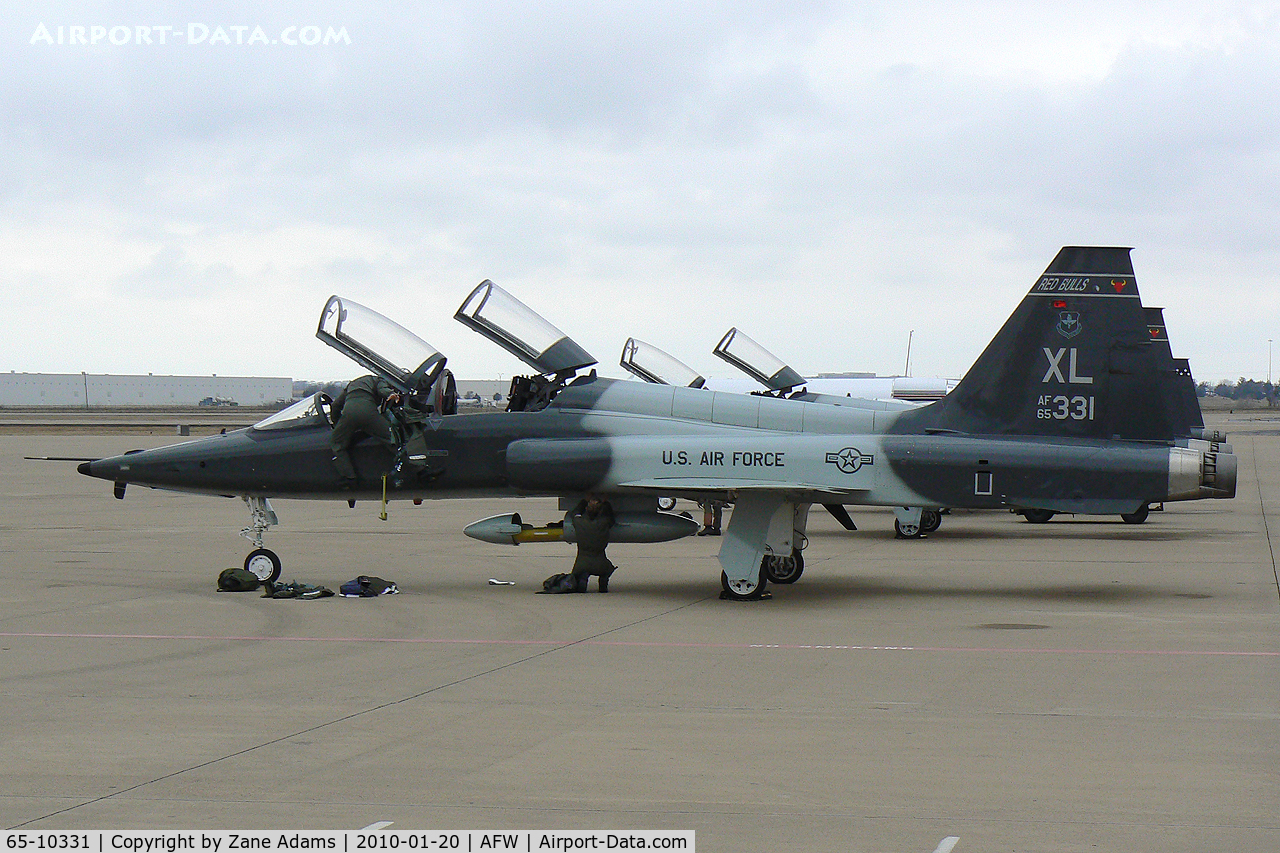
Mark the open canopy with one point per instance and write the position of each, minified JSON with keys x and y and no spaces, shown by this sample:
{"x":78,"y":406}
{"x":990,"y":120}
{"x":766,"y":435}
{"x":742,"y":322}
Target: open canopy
{"x":378,"y":344}
{"x":521,"y":331}
{"x":756,"y":361}
{"x":654,"y":365}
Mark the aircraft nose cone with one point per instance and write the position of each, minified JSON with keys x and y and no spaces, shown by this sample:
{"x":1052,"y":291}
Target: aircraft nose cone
{"x":103,"y":469}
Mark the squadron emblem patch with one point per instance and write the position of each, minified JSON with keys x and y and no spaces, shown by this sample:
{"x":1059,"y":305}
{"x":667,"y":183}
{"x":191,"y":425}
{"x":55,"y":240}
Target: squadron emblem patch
{"x":1069,"y":324}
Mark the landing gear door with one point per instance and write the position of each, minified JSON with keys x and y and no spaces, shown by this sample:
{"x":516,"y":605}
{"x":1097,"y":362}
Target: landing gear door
{"x":521,"y":331}
{"x":756,"y":361}
{"x":380,"y":345}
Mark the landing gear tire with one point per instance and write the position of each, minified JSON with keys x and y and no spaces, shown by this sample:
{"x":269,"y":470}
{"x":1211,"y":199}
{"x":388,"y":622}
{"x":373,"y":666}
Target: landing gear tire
{"x":783,"y":569}
{"x":1038,"y":516}
{"x":930,"y":520}
{"x":666,"y":504}
{"x":1135,"y":517}
{"x":744,"y":590}
{"x":263,"y":564}
{"x":908,"y":530}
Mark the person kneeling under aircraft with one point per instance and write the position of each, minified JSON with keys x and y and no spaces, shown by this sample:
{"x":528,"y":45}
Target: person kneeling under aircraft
{"x":592,"y":519}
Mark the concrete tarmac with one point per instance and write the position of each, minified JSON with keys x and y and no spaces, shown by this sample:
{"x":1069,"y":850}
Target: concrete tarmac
{"x":1080,"y":685}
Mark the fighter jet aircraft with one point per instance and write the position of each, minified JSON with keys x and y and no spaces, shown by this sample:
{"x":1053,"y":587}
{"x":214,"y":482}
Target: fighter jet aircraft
{"x":1064,"y":410}
{"x":887,"y":393}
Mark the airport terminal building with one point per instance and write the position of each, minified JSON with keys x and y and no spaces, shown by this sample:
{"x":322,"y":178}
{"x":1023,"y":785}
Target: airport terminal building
{"x":87,"y":390}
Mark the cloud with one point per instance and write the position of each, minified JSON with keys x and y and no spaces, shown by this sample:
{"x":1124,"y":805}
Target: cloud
{"x":826,"y":178}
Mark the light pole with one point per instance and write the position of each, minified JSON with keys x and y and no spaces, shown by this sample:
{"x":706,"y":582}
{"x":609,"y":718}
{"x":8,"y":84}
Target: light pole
{"x":1268,"y":361}
{"x":906,"y":370}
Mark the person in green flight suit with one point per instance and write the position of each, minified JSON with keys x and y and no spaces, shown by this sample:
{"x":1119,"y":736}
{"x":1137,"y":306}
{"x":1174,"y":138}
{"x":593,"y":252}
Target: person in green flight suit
{"x":592,"y":520}
{"x":358,"y":409}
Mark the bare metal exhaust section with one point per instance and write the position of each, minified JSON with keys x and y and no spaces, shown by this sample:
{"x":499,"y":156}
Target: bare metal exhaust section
{"x":1195,"y":474}
{"x":1208,"y":434}
{"x":1220,"y":474}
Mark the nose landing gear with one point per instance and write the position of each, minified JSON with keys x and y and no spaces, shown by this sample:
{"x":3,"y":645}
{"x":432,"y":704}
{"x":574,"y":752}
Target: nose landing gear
{"x":262,"y":563}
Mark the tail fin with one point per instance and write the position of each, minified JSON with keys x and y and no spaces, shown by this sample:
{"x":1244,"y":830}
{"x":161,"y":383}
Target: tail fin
{"x":1178,"y":383}
{"x":1074,"y":360}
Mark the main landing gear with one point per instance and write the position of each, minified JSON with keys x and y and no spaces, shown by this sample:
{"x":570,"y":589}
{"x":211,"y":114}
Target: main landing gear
{"x":775,"y":569}
{"x":750,"y":589}
{"x":783,"y":569}
{"x":914,"y":522}
{"x":262,"y":563}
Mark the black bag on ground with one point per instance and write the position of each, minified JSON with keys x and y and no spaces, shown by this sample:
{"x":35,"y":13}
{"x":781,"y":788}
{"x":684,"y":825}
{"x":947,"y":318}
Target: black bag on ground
{"x":562,"y":582}
{"x":237,"y":580}
{"x":368,"y":586}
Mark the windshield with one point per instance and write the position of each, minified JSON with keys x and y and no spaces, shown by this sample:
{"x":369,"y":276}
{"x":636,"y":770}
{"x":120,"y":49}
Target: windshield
{"x":376,"y":343}
{"x":520,"y":330}
{"x":305,"y":412}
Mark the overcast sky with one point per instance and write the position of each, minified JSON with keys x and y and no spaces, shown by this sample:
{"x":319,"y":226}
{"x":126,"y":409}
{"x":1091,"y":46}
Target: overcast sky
{"x":825,"y":176}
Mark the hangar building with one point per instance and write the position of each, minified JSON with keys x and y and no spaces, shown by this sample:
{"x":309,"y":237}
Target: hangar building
{"x":94,"y":389}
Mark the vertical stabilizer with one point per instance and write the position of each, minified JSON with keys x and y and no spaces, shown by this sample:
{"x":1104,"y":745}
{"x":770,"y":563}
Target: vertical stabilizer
{"x":1074,"y":360}
{"x":1178,"y":383}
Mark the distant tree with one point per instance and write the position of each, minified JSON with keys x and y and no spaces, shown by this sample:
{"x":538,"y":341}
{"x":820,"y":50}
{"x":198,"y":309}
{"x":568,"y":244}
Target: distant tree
{"x":1241,"y":389}
{"x":1252,"y":389}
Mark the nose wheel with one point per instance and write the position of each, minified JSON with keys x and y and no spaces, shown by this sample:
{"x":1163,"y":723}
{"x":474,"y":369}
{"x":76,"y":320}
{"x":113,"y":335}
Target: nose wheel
{"x":263,"y":564}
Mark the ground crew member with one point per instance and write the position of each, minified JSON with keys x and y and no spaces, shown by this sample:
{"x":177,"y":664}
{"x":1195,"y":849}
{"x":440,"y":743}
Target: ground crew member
{"x":359,"y":410}
{"x":592,"y":520}
{"x":711,"y":510}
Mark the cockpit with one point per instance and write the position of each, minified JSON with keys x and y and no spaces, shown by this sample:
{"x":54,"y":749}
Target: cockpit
{"x":521,"y":331}
{"x":386,"y":349}
{"x":417,"y":369}
{"x":757,"y":362}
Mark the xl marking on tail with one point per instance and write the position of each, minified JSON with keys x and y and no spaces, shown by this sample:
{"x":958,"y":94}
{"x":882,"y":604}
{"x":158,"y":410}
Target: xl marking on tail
{"x":1073,"y":374}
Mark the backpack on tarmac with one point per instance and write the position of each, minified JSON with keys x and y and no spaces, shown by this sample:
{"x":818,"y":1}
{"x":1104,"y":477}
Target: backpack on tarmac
{"x":237,"y":580}
{"x":368,"y":586}
{"x":562,"y":582}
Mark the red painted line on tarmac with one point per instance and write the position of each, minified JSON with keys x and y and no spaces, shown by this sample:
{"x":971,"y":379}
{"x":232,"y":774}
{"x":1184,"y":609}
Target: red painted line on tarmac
{"x":637,"y":644}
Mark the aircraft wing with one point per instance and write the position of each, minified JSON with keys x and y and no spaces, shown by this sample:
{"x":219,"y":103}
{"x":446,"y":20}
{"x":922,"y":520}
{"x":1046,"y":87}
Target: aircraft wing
{"x":669,"y":485}
{"x":821,"y":468}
